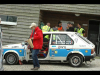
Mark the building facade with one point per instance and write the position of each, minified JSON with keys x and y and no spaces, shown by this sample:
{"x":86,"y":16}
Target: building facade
{"x":28,"y":13}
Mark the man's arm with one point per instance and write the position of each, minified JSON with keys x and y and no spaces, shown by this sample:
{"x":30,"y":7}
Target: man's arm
{"x":68,"y":29}
{"x":83,"y":33}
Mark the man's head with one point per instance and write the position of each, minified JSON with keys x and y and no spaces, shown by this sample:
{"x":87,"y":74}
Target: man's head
{"x":71,"y":25}
{"x":48,"y":24}
{"x":68,"y":24}
{"x":60,"y":23}
{"x":33,"y":26}
{"x":79,"y":25}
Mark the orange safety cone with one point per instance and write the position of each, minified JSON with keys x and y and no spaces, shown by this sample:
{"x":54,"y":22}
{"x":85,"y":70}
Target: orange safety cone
{"x":20,"y":62}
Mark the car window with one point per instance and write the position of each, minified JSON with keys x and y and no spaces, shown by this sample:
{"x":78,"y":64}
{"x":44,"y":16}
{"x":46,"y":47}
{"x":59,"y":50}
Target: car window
{"x":61,"y":39}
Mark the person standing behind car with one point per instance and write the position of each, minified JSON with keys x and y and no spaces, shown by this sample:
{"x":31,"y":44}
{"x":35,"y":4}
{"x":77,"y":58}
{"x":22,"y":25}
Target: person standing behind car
{"x":37,"y":43}
{"x":71,"y":28}
{"x":68,"y":24}
{"x":60,"y":28}
{"x":54,"y":28}
{"x":46,"y":28}
{"x":75,"y":29}
{"x":80,"y":30}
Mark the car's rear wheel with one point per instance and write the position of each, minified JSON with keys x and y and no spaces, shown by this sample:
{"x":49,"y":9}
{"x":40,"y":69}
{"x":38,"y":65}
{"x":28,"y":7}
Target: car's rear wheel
{"x":11,"y":58}
{"x":75,"y":60}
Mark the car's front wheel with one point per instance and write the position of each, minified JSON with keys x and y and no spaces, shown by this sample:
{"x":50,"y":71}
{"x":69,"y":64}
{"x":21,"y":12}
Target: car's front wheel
{"x":11,"y":58}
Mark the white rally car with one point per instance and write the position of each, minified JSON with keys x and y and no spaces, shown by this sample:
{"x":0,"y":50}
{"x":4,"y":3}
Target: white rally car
{"x":67,"y":46}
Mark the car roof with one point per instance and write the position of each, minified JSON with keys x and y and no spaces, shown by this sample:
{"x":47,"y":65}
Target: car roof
{"x":60,"y":32}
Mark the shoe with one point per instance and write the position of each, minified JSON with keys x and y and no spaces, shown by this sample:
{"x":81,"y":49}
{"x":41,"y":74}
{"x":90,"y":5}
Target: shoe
{"x":32,"y":68}
{"x":36,"y":68}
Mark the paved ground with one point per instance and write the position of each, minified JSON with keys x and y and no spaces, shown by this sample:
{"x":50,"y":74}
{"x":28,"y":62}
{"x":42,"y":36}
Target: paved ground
{"x":95,"y":66}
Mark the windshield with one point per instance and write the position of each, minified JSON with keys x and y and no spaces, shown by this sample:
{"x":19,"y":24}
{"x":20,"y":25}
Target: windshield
{"x":83,"y":38}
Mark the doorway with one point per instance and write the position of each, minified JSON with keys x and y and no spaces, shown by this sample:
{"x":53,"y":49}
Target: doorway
{"x":94,"y":34}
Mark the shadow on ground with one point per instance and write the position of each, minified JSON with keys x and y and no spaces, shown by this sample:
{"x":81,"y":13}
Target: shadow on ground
{"x":60,"y":64}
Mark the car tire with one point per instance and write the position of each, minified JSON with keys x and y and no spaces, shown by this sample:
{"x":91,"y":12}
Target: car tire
{"x":11,"y":58}
{"x":75,"y":60}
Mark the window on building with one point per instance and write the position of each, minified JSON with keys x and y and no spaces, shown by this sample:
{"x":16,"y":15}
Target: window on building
{"x":61,"y":39}
{"x":8,"y":20}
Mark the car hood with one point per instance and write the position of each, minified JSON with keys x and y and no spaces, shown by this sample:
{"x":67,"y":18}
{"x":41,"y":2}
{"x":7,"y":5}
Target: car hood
{"x":13,"y":46}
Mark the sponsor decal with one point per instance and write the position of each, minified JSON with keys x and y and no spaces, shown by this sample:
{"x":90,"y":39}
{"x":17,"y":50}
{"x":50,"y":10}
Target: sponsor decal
{"x":86,"y":51}
{"x":52,"y":55}
{"x":58,"y":47}
{"x":72,"y":35}
{"x":75,"y":49}
{"x":53,"y":49}
{"x":53,"y":46}
{"x":53,"y":52}
{"x":70,"y":43}
{"x":15,"y":46}
{"x":76,"y":40}
{"x":20,"y":50}
{"x":61,"y":47}
{"x":56,"y":52}
{"x":82,"y":45}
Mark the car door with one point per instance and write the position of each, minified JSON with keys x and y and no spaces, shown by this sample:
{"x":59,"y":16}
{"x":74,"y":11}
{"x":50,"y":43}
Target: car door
{"x":60,"y":47}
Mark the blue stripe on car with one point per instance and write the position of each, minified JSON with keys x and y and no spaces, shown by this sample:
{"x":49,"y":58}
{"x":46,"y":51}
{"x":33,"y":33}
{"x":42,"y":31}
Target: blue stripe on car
{"x":17,"y":50}
{"x":64,"y":52}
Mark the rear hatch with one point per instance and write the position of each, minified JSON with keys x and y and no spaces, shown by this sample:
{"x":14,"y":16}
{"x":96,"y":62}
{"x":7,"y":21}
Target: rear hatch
{"x":86,"y":40}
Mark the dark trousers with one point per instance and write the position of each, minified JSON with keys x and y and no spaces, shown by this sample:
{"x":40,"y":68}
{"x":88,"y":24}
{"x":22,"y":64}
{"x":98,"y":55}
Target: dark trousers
{"x":35,"y":58}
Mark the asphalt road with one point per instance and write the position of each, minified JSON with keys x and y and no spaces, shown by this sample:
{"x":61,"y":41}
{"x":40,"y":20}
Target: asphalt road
{"x":95,"y":66}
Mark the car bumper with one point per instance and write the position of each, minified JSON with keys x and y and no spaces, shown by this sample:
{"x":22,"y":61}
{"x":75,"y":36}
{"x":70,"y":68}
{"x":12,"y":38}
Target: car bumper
{"x":90,"y":58}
